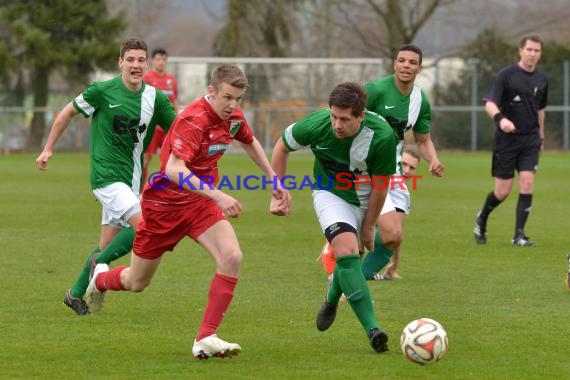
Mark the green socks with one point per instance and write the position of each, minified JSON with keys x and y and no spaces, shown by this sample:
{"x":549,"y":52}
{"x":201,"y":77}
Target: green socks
{"x":352,"y":282}
{"x":80,"y":285}
{"x":117,"y":248}
{"x":376,"y":260}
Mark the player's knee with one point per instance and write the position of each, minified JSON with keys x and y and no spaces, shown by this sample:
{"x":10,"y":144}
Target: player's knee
{"x":138,"y":285}
{"x":393,"y":236}
{"x":232,"y":259}
{"x":526,"y":185}
{"x":502,"y":194}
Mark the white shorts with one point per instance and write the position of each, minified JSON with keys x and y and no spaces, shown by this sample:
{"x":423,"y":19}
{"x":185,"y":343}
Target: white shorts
{"x":388,"y":205}
{"x":119,"y":204}
{"x":400,"y":199}
{"x":332,"y":209}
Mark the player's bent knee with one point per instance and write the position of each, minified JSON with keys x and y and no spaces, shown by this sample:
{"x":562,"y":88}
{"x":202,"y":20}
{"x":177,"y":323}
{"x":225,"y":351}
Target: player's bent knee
{"x":138,"y":286}
{"x":392,"y":236}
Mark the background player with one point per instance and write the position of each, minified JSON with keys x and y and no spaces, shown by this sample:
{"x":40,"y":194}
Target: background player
{"x":166,"y":82}
{"x":410,"y":161}
{"x":516,"y":102}
{"x":406,"y":108}
{"x":124,"y":113}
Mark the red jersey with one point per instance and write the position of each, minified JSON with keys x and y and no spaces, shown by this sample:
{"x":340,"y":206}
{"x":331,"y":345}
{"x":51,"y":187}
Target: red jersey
{"x":200,"y":138}
{"x":165,"y":82}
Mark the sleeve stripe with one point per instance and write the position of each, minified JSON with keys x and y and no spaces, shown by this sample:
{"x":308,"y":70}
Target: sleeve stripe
{"x":82,"y":106}
{"x":289,"y":140}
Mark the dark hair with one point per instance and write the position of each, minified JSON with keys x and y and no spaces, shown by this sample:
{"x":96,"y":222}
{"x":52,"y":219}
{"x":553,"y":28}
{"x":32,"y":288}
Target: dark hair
{"x":349,"y":95}
{"x":412,"y":48}
{"x":413,"y":151}
{"x":530,"y":37}
{"x":229,"y":74}
{"x":133,"y":44}
{"x":158,"y":51}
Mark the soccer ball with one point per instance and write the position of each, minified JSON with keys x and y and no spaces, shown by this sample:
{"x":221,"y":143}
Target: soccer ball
{"x":424,"y":341}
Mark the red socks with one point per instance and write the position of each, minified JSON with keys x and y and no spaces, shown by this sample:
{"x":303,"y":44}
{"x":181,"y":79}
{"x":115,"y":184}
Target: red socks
{"x":110,"y":280}
{"x":219,"y":297}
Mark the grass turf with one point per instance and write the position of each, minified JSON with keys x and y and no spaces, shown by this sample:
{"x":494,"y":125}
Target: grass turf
{"x":504,"y":308}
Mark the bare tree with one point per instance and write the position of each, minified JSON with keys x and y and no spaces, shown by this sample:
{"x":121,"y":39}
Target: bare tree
{"x":378,"y":28}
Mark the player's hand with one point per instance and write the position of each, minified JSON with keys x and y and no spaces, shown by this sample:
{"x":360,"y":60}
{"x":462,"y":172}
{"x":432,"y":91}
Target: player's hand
{"x":367,"y":236}
{"x":280,"y":202}
{"x":436,"y":168}
{"x":507,"y":126}
{"x":42,"y":160}
{"x":229,"y":205}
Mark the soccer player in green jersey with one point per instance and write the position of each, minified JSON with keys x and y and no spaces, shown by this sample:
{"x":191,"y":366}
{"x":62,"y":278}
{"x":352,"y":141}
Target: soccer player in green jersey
{"x":125,"y":112}
{"x":355,"y":153}
{"x":406,"y":108}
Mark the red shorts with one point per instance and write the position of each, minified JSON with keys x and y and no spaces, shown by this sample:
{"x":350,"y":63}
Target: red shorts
{"x":159,"y":230}
{"x":156,"y":142}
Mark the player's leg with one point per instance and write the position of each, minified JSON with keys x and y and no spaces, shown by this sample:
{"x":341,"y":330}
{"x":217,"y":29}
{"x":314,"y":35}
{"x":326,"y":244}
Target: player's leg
{"x":524,"y":203}
{"x":390,"y":270}
{"x":159,"y":232}
{"x":327,"y":258}
{"x":503,"y":170}
{"x":121,"y":208}
{"x":375,"y":260}
{"x":122,"y":243}
{"x":353,"y":285}
{"x":389,"y":236}
{"x":526,"y":165}
{"x":108,"y":233}
{"x":221,"y":242}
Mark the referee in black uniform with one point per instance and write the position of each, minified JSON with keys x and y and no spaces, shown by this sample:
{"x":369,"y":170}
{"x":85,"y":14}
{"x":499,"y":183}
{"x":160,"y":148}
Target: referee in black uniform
{"x":516,"y":102}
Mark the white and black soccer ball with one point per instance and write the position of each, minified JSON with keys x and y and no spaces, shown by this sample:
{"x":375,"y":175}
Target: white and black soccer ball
{"x":424,"y":341}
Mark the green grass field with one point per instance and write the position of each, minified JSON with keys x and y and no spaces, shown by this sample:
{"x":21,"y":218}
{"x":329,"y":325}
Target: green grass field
{"x":504,"y":308}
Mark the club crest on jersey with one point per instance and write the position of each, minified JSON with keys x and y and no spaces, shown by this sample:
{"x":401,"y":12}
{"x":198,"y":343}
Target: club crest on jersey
{"x":234,"y":127}
{"x":217,"y":148}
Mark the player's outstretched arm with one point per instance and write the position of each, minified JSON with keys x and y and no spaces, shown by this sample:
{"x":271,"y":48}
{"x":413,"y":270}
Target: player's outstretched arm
{"x":60,"y":124}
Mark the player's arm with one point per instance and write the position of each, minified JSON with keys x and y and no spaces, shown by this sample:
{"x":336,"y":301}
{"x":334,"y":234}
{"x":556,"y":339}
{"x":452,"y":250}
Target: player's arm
{"x":500,"y":120}
{"x":59,"y":125}
{"x":427,"y":151}
{"x":279,"y":158}
{"x":375,"y":204}
{"x":178,"y":173}
{"x":541,"y":118}
{"x":280,"y":197}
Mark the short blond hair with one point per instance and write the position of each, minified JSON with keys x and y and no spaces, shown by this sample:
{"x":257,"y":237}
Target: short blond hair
{"x":230,"y":74}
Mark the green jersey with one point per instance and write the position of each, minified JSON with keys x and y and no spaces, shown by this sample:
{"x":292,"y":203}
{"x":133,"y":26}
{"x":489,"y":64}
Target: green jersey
{"x":402,"y":112}
{"x":346,"y":166}
{"x":122,"y":126}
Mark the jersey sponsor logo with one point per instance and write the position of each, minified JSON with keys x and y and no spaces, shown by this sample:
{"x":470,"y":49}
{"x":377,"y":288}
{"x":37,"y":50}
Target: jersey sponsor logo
{"x":127,"y":130}
{"x":234,"y":127}
{"x":388,"y":107}
{"x":114,"y":105}
{"x":321,"y":147}
{"x":217,"y":148}
{"x":177,"y":144}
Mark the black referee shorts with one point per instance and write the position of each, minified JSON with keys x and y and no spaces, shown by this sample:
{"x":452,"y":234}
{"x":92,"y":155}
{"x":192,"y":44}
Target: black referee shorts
{"x":512,"y":152}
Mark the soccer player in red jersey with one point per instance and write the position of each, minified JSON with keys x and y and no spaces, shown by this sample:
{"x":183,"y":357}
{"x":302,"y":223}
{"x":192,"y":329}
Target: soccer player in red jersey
{"x":164,"y":81}
{"x":180,"y":204}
